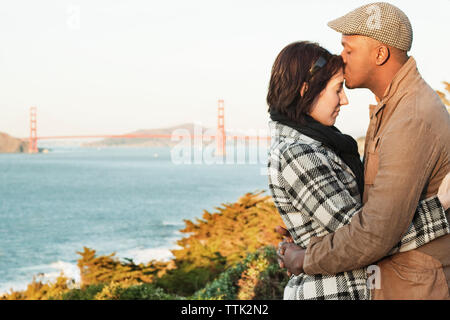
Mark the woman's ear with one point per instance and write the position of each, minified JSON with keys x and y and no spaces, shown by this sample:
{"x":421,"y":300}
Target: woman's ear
{"x":303,"y":89}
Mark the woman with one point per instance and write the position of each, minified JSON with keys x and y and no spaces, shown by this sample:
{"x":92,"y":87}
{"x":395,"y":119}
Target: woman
{"x":316,"y":177}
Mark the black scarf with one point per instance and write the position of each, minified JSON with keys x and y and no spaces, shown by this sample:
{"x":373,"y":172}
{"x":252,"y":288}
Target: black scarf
{"x":342,"y":144}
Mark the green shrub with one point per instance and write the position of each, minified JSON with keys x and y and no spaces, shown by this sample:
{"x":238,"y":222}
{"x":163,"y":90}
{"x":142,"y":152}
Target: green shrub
{"x":185,"y":280}
{"x":87,"y":293}
{"x":144,"y":292}
{"x":258,"y":276}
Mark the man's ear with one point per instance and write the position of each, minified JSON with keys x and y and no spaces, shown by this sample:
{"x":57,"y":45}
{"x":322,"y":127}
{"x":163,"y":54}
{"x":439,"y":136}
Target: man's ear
{"x":303,"y":89}
{"x":383,"y":54}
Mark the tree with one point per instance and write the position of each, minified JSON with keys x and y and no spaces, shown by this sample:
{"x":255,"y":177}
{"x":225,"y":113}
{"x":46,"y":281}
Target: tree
{"x":443,"y":96}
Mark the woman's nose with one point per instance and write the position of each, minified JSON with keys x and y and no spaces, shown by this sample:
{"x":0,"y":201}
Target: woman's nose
{"x":343,"y":101}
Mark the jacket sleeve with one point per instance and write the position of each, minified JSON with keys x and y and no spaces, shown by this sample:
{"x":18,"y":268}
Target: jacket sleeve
{"x":315,"y":189}
{"x":407,"y":154}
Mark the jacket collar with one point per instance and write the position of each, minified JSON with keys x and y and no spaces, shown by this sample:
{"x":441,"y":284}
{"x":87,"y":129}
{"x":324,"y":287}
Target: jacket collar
{"x":407,"y":73}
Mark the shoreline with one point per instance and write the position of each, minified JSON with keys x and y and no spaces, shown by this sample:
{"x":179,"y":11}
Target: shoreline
{"x":49,"y":272}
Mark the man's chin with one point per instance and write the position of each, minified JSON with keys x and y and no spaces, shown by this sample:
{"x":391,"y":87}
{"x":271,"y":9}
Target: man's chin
{"x":349,"y":85}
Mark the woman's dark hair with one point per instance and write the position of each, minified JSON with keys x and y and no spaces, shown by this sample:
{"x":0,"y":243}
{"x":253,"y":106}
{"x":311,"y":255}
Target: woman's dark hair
{"x":291,"y":69}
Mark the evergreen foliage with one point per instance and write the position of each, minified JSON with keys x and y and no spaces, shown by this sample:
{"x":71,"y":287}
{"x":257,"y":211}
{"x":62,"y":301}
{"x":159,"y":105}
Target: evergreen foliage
{"x":88,"y":293}
{"x":443,"y":96}
{"x":257,"y":277}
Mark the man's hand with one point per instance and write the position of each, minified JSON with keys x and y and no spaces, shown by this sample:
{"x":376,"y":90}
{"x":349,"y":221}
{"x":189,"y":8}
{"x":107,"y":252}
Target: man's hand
{"x":290,"y":256}
{"x":286,"y":238}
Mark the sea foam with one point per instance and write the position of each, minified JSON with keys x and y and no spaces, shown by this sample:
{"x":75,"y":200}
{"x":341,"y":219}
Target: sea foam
{"x":141,"y":255}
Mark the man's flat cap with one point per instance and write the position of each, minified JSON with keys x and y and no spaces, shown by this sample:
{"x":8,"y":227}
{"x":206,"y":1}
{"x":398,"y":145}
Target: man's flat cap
{"x":381,"y":21}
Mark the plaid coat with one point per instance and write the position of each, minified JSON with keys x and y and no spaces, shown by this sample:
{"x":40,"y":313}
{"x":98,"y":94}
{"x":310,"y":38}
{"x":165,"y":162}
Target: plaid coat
{"x":316,"y":193}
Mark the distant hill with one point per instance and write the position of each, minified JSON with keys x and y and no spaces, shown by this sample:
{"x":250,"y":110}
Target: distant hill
{"x":10,"y":144}
{"x":149,"y":142}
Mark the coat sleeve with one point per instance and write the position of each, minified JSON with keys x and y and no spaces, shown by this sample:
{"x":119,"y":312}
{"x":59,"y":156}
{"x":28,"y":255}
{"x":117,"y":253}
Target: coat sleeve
{"x":315,"y":189}
{"x":407,"y":155}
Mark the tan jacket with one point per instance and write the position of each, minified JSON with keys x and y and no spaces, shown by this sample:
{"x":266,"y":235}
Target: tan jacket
{"x":406,"y":157}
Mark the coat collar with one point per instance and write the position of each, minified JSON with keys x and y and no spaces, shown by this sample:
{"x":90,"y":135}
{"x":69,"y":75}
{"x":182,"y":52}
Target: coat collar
{"x":402,"y":79}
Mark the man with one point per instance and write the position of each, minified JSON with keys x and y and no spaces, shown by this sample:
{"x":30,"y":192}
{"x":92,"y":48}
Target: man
{"x":406,"y":158}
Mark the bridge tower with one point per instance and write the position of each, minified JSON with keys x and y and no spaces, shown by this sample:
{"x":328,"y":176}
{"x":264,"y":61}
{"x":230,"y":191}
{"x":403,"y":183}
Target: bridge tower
{"x":32,"y":146}
{"x":221,"y":138}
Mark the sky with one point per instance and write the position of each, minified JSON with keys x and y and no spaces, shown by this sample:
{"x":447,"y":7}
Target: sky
{"x":112,"y":67}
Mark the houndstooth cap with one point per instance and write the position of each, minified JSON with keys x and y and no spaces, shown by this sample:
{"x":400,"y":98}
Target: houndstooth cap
{"x":381,"y":21}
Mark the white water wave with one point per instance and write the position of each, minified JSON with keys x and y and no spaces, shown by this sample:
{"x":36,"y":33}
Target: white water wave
{"x":43,"y":273}
{"x":141,"y":255}
{"x":173,"y":223}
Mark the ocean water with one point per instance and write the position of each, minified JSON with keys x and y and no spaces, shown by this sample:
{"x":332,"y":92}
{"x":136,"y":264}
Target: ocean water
{"x":129,"y":201}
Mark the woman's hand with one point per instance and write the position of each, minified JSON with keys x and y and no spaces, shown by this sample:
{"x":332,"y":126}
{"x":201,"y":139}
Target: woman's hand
{"x":283,"y":232}
{"x":444,"y":192}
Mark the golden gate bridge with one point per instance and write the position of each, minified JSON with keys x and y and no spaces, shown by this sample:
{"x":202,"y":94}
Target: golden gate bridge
{"x":220,"y":137}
